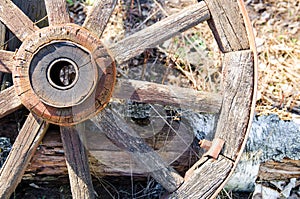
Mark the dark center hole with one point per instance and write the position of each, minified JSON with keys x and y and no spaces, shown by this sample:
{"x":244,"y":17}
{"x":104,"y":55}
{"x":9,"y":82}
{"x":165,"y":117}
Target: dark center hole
{"x":62,"y":73}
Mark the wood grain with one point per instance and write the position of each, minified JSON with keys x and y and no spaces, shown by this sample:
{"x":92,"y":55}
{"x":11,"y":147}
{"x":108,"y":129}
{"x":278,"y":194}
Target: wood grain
{"x":49,"y":158}
{"x":62,"y":98}
{"x":16,"y":20}
{"x":6,"y":61}
{"x":57,"y":12}
{"x":2,"y":36}
{"x":102,"y":62}
{"x":186,"y":98}
{"x":77,"y":163}
{"x":23,"y":149}
{"x":127,"y":139}
{"x":99,"y":15}
{"x":35,"y":10}
{"x":205,"y":179}
{"x":285,"y":169}
{"x":238,"y":83}
{"x":159,"y":32}
{"x":106,"y":159}
{"x":227,"y":25}
{"x":9,"y":101}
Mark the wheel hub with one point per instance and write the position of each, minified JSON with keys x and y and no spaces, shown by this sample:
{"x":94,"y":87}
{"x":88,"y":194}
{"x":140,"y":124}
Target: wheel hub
{"x":64,"y":74}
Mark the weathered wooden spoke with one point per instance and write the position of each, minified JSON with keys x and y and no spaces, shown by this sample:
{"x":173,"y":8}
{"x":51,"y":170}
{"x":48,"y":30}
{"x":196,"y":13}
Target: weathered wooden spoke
{"x":9,"y":101}
{"x":186,"y":98}
{"x":99,"y":15}
{"x":57,"y":12}
{"x":16,"y":20}
{"x":77,"y":162}
{"x":22,"y":150}
{"x":127,"y":139}
{"x":6,"y":61}
{"x":159,"y":32}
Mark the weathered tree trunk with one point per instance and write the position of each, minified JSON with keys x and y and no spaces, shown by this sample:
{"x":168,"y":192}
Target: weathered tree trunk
{"x":49,"y":159}
{"x":279,"y":170}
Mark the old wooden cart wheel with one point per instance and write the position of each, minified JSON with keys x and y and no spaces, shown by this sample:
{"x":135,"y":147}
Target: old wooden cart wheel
{"x":64,"y":75}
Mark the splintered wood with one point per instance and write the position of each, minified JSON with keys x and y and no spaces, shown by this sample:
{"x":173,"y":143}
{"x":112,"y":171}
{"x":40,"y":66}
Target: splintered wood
{"x":98,"y":16}
{"x":228,"y":22}
{"x":205,"y":179}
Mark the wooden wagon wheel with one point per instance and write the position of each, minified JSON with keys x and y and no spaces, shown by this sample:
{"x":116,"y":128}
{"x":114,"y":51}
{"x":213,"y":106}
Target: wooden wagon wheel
{"x":64,"y":75}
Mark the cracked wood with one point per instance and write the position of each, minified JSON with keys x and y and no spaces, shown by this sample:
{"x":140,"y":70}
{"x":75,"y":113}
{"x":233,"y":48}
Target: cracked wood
{"x":57,"y":12}
{"x":77,"y":163}
{"x":205,"y":179}
{"x":227,"y":25}
{"x":99,"y":15}
{"x":186,"y":98}
{"x":238,"y":83}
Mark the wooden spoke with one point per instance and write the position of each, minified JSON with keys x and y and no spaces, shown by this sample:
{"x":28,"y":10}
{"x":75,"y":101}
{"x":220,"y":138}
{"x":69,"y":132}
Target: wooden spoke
{"x":77,"y":163}
{"x":142,"y":91}
{"x":22,"y":150}
{"x":151,"y":139}
{"x":161,"y":31}
{"x":9,"y":101}
{"x":6,"y":61}
{"x":57,"y":12}
{"x":116,"y":129}
{"x":99,"y":15}
{"x":16,"y":20}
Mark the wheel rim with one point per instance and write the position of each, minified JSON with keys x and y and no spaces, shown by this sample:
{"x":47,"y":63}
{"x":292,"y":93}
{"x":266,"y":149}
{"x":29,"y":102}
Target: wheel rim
{"x":236,"y":42}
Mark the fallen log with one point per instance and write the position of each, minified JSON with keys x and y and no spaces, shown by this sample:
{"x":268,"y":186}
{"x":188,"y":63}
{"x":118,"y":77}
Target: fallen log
{"x":282,"y":170}
{"x":104,"y":157}
{"x":270,"y":152}
{"x":255,"y":164}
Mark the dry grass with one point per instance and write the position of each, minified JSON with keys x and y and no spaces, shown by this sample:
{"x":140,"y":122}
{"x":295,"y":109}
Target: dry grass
{"x":277,"y":25}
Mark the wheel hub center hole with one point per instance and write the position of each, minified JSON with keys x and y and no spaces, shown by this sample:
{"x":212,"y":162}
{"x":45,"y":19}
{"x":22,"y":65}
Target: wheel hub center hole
{"x":62,"y":74}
